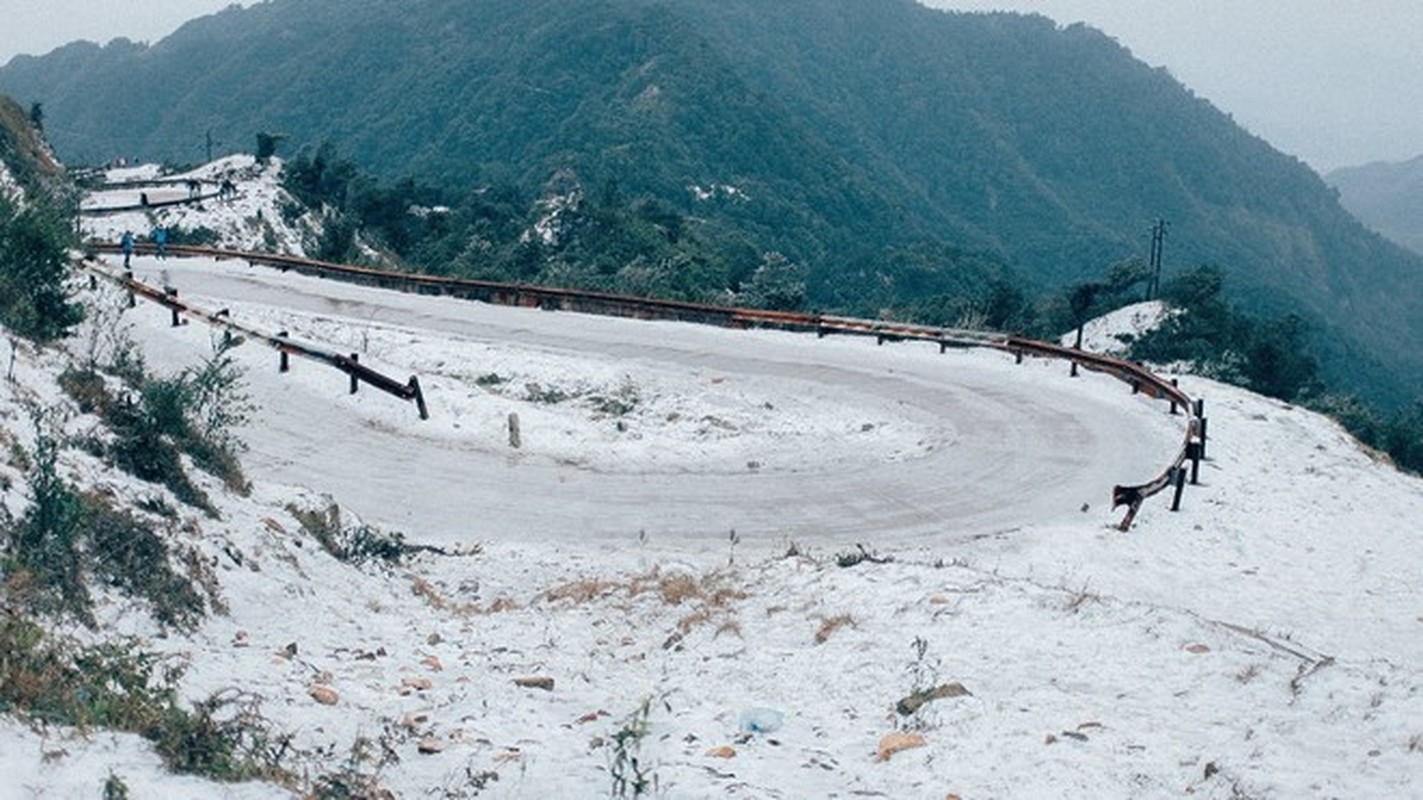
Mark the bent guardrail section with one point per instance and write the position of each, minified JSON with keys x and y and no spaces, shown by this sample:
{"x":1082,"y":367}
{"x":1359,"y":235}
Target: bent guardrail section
{"x":591,"y":302}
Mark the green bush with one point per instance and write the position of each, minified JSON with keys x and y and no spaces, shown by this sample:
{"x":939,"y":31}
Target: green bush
{"x":128,"y":553}
{"x":65,"y":536}
{"x":34,"y":259}
{"x":196,"y":412}
{"x":44,"y":548}
{"x":353,"y":545}
{"x":117,"y":686}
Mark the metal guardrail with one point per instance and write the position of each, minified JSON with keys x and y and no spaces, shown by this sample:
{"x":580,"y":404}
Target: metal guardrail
{"x":152,"y":204}
{"x":553,"y":298}
{"x":284,"y":345}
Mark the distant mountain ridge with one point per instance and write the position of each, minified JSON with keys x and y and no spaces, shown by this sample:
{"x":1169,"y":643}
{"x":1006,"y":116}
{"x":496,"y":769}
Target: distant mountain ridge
{"x":1386,"y":196}
{"x":848,"y":129}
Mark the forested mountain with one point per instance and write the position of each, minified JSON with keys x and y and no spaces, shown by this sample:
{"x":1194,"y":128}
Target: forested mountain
{"x":1387,"y":197}
{"x":896,"y":152}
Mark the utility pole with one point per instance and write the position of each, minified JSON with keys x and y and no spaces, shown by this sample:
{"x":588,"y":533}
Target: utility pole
{"x":1158,"y":243}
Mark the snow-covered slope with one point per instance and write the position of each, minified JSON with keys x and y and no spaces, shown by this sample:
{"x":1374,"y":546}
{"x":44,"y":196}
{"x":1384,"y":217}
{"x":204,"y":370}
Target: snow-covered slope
{"x":1264,"y":642}
{"x":257,"y":217}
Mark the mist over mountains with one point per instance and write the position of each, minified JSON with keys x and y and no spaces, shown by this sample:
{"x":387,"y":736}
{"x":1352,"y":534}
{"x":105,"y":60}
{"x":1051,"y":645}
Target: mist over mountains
{"x":885,"y":146}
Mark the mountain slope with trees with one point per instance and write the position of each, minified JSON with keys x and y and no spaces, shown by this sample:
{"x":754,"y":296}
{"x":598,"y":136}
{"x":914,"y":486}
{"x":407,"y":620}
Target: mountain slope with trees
{"x":1387,"y":197}
{"x":892,"y":153}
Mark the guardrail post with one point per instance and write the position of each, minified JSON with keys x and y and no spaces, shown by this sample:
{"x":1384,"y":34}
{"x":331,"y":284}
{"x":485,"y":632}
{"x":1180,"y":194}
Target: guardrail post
{"x":225,"y":314}
{"x":172,"y":293}
{"x":285,"y":362}
{"x":1195,"y":451}
{"x":1017,"y":356}
{"x":419,"y":397}
{"x":1175,"y":384}
{"x":1077,"y":346}
{"x":355,"y":382}
{"x":1179,"y":478}
{"x":128,"y":281}
{"x":1201,"y":424}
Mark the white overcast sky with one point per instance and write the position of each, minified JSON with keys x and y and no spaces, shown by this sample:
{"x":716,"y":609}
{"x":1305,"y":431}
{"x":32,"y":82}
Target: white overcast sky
{"x":1335,"y":83}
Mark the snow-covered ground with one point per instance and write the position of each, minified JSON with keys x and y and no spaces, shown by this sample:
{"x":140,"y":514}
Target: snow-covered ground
{"x":251,"y":220}
{"x":1113,"y":333}
{"x":1266,"y":641}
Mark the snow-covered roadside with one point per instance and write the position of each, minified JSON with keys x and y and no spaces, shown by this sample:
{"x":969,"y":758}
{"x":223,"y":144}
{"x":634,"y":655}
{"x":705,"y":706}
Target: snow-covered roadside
{"x":1264,"y":642}
{"x":1096,"y":663}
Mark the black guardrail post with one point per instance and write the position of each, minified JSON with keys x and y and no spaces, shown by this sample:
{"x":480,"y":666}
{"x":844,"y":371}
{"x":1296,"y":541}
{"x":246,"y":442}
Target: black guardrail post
{"x":355,"y":382}
{"x":172,"y":294}
{"x":419,"y":396}
{"x":1178,"y":477}
{"x":285,"y":364}
{"x":1201,"y":424}
{"x":1077,"y":347}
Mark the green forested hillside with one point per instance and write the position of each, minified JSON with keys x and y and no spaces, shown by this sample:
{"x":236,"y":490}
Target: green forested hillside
{"x":894,"y":153}
{"x":1387,"y":197}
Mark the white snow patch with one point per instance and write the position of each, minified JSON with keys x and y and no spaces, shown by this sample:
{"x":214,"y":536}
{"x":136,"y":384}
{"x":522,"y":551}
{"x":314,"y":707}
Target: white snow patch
{"x":1112,"y":333}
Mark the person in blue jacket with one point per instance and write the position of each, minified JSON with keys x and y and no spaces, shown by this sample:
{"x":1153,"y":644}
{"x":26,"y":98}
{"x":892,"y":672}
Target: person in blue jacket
{"x":126,"y":244}
{"x":160,"y":241}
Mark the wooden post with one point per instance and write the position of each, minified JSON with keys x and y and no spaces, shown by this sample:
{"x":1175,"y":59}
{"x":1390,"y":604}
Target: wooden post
{"x":355,"y":382}
{"x":285,"y":363}
{"x":128,"y":281}
{"x":1018,"y":356}
{"x":1175,"y":383}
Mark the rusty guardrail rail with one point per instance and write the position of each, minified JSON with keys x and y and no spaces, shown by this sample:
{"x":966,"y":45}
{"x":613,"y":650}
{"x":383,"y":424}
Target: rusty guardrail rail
{"x":284,"y":345}
{"x":593,"y":302}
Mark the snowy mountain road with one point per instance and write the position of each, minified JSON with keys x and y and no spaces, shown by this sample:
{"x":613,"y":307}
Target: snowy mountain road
{"x":774,"y":435}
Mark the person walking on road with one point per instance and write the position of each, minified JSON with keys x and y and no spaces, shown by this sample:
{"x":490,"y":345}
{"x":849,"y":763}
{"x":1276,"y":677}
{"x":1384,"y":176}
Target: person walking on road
{"x":160,"y":242}
{"x":126,"y":244}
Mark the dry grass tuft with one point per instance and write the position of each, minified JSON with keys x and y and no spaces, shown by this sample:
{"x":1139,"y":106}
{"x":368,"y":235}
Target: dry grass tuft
{"x":831,"y":625}
{"x":501,"y":605}
{"x":423,"y":589}
{"x":710,"y":598}
{"x":583,"y":590}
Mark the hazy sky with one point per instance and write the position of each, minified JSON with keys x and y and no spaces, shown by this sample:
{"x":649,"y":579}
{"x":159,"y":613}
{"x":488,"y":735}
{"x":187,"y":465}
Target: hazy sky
{"x":1334,"y":83}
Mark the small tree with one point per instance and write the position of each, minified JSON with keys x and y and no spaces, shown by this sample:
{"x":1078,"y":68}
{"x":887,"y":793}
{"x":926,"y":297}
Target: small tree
{"x":34,"y":301}
{"x":777,"y":285}
{"x":1278,"y":360}
{"x":267,"y":145}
